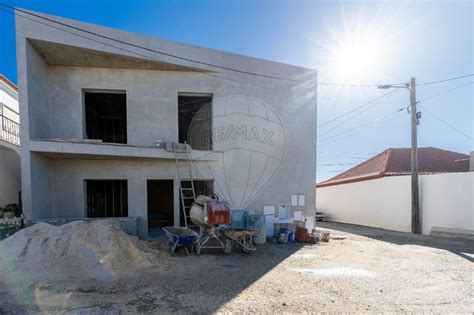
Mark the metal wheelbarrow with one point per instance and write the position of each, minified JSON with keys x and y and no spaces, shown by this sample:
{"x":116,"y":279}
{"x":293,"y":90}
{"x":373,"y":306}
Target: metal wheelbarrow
{"x":181,"y":237}
{"x":243,"y":239}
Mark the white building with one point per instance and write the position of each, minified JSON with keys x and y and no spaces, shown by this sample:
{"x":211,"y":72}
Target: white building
{"x":377,"y":192}
{"x":250,"y":122}
{"x":10,"y":177}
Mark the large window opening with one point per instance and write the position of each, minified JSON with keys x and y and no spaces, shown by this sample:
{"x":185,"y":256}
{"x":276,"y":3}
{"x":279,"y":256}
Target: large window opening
{"x":106,"y":116}
{"x":201,"y":187}
{"x":160,"y":203}
{"x":195,"y":120}
{"x":107,"y":198}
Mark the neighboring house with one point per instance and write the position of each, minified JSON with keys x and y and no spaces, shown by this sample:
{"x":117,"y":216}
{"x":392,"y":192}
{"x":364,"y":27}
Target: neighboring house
{"x":10,"y":174}
{"x":377,"y":192}
{"x":93,"y":110}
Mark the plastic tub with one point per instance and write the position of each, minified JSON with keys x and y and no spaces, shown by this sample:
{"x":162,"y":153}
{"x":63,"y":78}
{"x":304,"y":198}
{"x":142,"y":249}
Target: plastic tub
{"x":238,"y":218}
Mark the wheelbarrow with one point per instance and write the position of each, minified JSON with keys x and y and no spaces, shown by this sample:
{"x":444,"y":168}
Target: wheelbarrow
{"x":181,"y":237}
{"x":243,"y":239}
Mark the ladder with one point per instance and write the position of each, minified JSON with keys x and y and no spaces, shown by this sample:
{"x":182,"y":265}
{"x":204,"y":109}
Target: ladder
{"x":183,"y":164}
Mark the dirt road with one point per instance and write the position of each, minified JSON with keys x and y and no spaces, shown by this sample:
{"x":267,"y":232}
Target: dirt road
{"x":359,"y":270}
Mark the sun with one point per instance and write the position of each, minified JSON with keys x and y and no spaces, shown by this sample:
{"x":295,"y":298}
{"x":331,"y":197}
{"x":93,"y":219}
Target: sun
{"x":357,"y":57}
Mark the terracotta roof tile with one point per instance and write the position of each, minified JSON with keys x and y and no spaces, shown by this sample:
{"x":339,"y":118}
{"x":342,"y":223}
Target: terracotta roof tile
{"x":397,"y":161}
{"x":8,"y":82}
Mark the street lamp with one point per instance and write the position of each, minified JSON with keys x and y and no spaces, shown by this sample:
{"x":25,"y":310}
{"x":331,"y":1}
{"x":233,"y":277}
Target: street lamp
{"x":415,"y":116}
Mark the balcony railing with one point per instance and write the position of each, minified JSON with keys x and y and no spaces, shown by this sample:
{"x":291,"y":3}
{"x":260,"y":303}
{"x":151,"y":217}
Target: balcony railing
{"x":9,"y":130}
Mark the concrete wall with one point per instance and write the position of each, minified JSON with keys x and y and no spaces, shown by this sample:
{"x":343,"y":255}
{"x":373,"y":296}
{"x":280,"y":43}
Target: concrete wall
{"x":446,"y":200}
{"x":248,"y":170}
{"x":69,"y":187}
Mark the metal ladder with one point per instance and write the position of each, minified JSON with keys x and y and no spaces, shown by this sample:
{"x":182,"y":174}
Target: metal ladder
{"x":181,"y":154}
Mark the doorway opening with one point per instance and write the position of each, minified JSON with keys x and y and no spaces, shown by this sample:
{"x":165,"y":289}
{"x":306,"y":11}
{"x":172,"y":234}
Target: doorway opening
{"x":160,"y":203}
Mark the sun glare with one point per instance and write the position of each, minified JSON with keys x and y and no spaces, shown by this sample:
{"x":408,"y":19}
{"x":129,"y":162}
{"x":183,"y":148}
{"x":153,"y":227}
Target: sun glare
{"x":357,"y":58}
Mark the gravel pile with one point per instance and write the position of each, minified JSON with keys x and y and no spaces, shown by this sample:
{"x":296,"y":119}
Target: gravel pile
{"x":97,"y":249}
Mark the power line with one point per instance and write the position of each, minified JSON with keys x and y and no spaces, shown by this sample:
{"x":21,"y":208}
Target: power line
{"x":446,"y":80}
{"x":447,"y":123}
{"x":338,"y":100}
{"x":153,"y":50}
{"x":336,"y":164}
{"x":181,"y":57}
{"x":361,"y":131}
{"x":147,"y":57}
{"x":445,"y":91}
{"x":189,"y":59}
{"x":362,"y":111}
{"x":198,"y":61}
{"x":355,"y":109}
{"x":347,"y":157}
{"x":364,"y":124}
{"x":346,"y":153}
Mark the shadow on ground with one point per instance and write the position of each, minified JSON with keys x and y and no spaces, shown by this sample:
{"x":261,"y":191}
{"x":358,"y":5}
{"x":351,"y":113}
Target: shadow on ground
{"x":203,"y":284}
{"x":462,"y":247}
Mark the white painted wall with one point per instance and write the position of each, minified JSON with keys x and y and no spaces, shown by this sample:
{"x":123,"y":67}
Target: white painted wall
{"x":383,"y":203}
{"x":446,"y":200}
{"x":9,"y":102}
{"x":10,"y":174}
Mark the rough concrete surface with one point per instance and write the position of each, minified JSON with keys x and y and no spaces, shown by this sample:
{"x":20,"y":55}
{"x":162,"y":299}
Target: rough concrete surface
{"x":359,"y":270}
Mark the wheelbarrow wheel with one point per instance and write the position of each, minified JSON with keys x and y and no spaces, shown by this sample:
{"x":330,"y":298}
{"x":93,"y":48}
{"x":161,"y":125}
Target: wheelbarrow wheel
{"x":189,"y":249}
{"x":227,"y":247}
{"x":247,"y":245}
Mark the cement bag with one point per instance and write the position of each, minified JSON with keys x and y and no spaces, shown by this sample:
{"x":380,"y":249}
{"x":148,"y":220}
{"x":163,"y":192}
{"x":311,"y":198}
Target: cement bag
{"x":201,"y":200}
{"x":197,"y":215}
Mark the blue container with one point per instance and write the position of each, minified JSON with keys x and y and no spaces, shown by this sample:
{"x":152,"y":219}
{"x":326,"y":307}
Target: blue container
{"x":286,"y":236}
{"x":238,"y":218}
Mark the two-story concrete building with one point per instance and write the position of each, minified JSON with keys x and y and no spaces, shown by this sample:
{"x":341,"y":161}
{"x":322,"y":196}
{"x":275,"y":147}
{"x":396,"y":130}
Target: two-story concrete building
{"x":96,"y":101}
{"x":10,"y":173}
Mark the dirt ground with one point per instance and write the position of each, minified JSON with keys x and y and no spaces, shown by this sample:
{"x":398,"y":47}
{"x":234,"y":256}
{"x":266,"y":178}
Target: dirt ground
{"x":359,"y":270}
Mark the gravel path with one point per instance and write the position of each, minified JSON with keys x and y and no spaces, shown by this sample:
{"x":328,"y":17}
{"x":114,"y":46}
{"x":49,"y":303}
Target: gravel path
{"x":359,"y":270}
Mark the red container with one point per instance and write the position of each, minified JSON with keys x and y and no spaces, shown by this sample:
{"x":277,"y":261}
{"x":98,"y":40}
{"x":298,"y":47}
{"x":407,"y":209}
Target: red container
{"x":218,"y":212}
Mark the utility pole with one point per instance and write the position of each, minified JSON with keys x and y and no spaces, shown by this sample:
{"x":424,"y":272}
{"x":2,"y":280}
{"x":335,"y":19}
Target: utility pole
{"x":415,"y":196}
{"x":415,"y":116}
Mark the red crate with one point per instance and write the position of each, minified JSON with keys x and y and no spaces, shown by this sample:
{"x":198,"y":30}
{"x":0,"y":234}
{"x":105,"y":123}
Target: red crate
{"x":218,"y":212}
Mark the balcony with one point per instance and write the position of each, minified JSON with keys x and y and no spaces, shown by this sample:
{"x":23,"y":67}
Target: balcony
{"x":9,"y":130}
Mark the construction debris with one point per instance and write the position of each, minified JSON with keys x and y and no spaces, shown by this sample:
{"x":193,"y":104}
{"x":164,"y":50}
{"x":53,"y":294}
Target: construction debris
{"x":98,"y":249}
{"x":303,"y":236}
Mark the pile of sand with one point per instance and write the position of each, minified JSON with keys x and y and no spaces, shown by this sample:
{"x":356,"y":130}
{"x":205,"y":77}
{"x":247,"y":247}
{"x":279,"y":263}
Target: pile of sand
{"x":97,"y":248}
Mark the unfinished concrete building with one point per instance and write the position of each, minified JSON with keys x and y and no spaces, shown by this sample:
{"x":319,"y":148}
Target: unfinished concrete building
{"x":97,"y":104}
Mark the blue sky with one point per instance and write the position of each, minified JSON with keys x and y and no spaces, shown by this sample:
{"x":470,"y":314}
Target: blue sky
{"x":430,"y":40}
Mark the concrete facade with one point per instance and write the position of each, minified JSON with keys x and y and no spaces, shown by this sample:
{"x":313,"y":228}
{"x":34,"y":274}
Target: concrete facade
{"x":10,"y":172}
{"x":263,"y":127}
